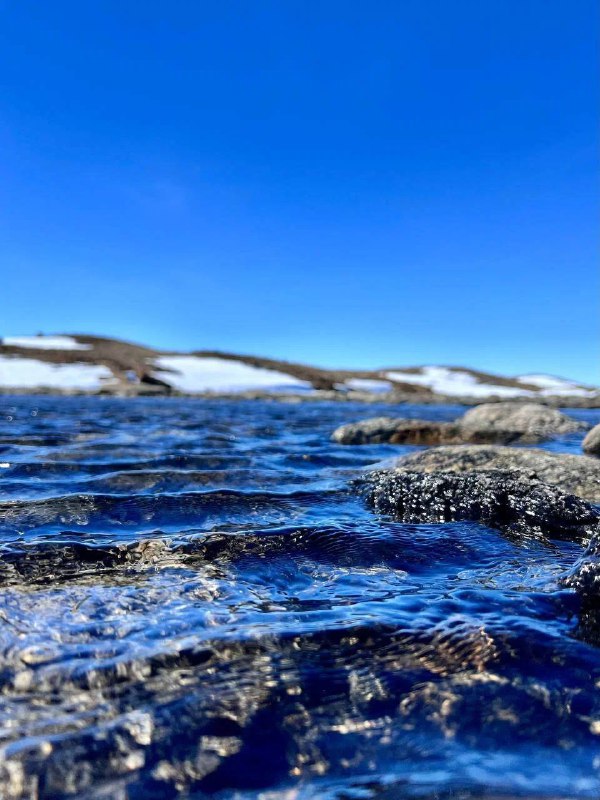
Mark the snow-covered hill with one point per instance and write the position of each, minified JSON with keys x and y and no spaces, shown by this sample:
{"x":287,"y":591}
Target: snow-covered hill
{"x":458,"y":382}
{"x":80,"y":363}
{"x":194,"y":374}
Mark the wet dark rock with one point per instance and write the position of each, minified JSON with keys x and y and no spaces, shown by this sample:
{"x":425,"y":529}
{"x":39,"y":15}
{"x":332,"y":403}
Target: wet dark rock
{"x":397,"y":431}
{"x":496,"y":499}
{"x":578,"y":475}
{"x":585,"y":575}
{"x":490,"y":423}
{"x":532,"y":422}
{"x":591,"y":443}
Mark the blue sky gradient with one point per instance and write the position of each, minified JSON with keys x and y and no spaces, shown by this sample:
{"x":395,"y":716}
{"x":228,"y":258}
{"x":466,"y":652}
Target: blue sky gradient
{"x":342,"y":183}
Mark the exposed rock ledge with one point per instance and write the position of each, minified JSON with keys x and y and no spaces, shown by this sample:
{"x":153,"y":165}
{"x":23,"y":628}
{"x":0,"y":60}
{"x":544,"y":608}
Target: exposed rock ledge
{"x":490,"y":423}
{"x":578,"y":475}
{"x":497,"y":499}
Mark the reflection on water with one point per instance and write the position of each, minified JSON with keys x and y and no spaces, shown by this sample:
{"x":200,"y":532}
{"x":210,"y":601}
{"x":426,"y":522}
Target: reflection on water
{"x":194,"y":603}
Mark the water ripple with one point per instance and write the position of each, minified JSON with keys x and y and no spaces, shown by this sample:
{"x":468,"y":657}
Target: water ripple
{"x":195,"y":602}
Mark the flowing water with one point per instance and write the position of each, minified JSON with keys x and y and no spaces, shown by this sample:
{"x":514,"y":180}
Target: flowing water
{"x":195,"y":602}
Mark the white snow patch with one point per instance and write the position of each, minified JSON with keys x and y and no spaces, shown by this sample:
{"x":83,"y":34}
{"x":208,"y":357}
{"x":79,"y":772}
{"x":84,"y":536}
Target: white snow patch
{"x":550,"y":384}
{"x":366,"y":385}
{"x":196,"y":374}
{"x":46,"y":342}
{"x":29,"y":373}
{"x":455,"y":383}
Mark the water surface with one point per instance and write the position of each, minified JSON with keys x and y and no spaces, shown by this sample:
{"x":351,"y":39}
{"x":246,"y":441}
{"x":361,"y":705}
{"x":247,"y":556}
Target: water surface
{"x":196,"y":603}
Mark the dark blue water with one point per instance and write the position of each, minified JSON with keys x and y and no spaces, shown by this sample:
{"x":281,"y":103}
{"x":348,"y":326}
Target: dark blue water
{"x":194,"y":603}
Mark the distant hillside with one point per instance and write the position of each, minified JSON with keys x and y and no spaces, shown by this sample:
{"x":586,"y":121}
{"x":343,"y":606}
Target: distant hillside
{"x":78,"y":363}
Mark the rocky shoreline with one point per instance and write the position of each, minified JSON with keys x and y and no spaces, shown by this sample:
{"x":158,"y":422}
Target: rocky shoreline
{"x":367,"y":398}
{"x":471,"y":475}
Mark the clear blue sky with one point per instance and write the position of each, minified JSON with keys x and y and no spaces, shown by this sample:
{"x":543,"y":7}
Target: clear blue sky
{"x":345,"y":183}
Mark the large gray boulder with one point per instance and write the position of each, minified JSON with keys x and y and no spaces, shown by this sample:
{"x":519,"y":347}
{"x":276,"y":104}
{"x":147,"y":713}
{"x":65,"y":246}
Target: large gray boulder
{"x":529,"y":422}
{"x":397,"y":431}
{"x":490,"y":423}
{"x":591,"y":443}
{"x":496,"y":499}
{"x":578,"y":475}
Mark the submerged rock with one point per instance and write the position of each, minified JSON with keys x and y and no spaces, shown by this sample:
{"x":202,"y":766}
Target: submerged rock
{"x":490,"y":423}
{"x":397,"y":431}
{"x":591,"y":443}
{"x":530,"y":421}
{"x":578,"y":475}
{"x":496,"y":499}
